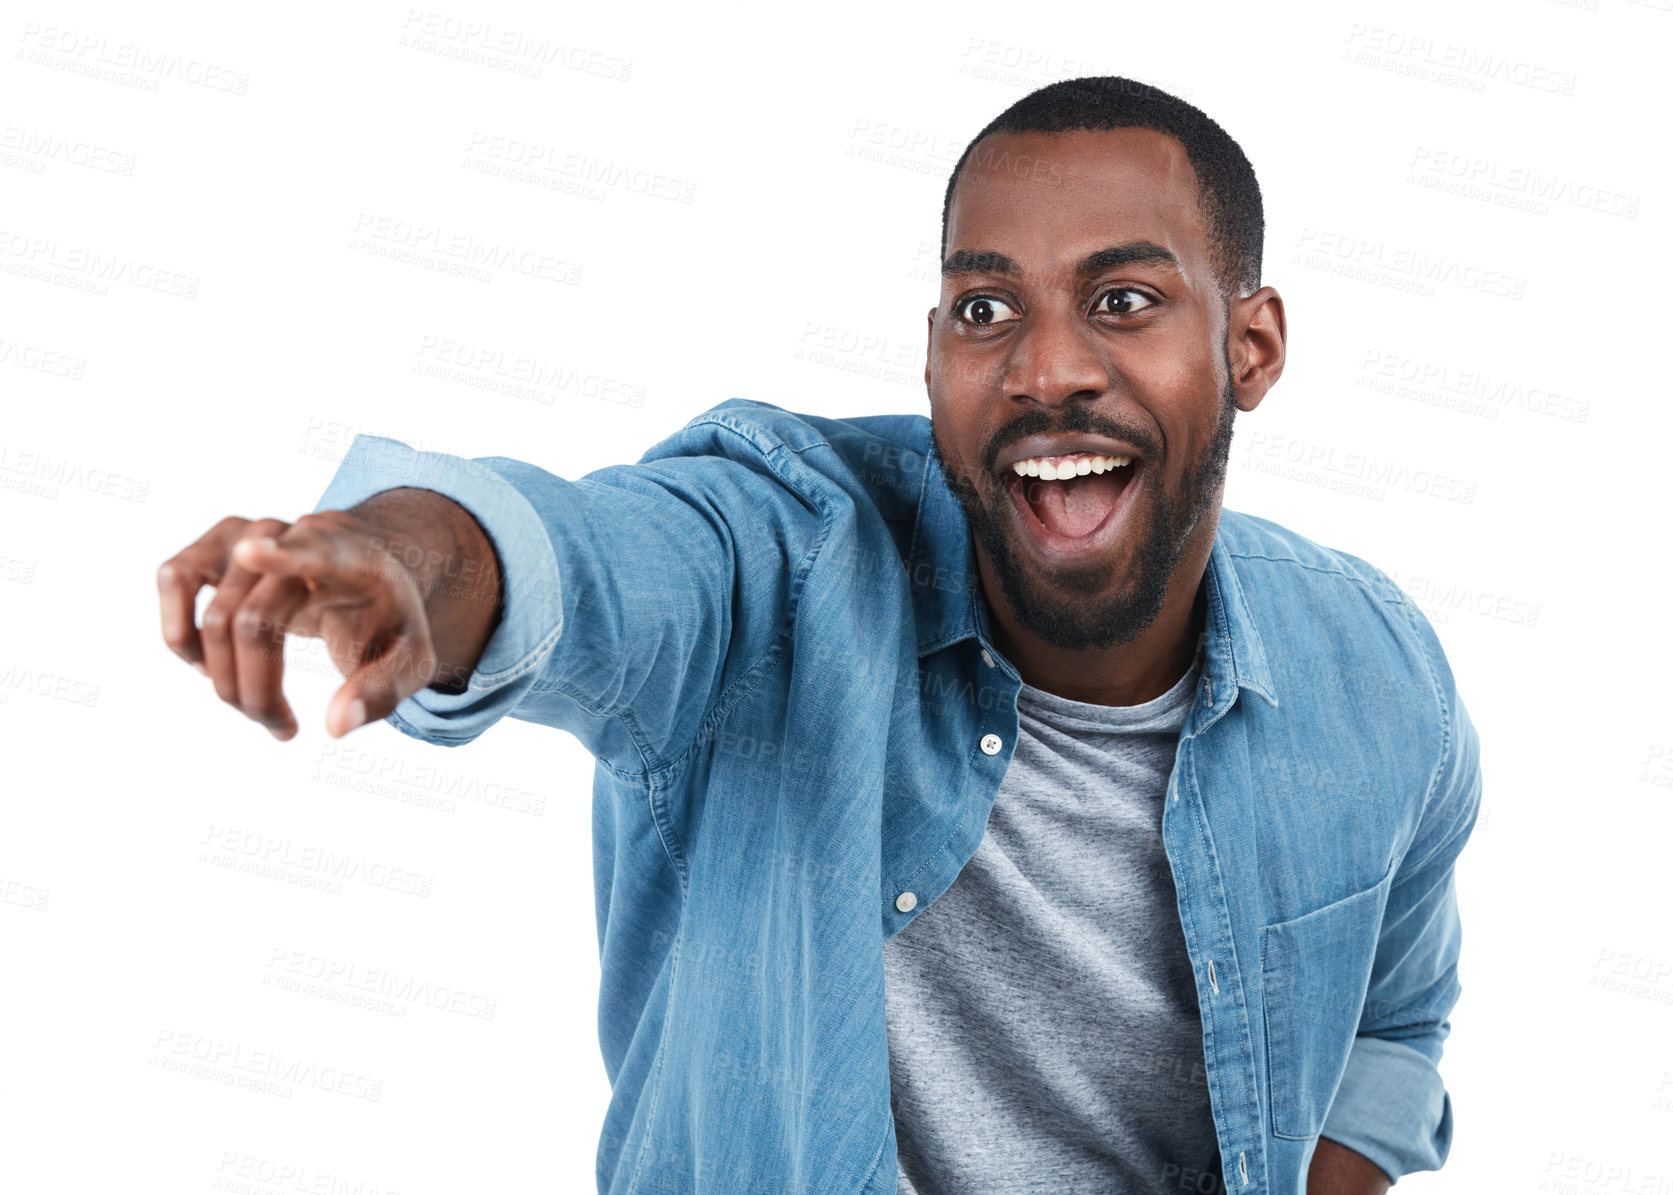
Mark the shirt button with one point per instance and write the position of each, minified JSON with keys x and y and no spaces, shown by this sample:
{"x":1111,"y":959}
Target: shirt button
{"x":991,"y":744}
{"x":906,"y":901}
{"x":987,"y":659}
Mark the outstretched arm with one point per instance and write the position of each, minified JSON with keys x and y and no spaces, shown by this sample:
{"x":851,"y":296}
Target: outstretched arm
{"x":631,"y":598}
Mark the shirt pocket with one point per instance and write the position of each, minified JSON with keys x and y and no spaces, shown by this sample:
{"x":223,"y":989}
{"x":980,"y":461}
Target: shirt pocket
{"x":1314,"y":973}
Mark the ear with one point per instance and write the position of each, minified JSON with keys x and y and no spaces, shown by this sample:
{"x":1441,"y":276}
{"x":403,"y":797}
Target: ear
{"x":1255,"y":336}
{"x":929,"y":347}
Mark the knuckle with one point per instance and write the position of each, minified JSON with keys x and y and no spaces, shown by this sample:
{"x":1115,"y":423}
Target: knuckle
{"x":252,"y":623}
{"x":215,"y":620}
{"x":324,"y":525}
{"x":317,"y":531}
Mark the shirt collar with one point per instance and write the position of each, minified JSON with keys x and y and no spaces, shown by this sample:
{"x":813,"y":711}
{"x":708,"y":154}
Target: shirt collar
{"x":947,"y":596}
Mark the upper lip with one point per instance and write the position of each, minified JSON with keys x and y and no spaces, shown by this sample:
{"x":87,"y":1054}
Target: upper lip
{"x":1067,"y":445}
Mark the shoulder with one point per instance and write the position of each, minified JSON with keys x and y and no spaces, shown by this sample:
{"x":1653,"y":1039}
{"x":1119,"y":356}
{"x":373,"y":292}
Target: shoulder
{"x":1331,"y":613}
{"x":1265,"y":551}
{"x":1354,"y":661}
{"x":862,"y":462}
{"x":766,"y":427}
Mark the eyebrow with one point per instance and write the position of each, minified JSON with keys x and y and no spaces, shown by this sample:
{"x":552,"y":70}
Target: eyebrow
{"x":970,"y":261}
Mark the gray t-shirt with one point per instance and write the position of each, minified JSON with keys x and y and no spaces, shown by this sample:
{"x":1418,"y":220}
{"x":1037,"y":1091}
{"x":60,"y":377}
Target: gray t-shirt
{"x":1042,"y":1015}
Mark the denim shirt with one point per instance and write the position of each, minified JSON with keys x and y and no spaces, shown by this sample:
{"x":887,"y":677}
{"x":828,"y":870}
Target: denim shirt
{"x":770,"y":634}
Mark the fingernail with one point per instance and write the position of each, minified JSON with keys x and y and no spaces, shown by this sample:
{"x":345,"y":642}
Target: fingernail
{"x":357,"y":714}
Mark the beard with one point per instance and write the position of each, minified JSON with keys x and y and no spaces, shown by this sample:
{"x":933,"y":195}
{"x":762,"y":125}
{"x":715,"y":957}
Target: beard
{"x":1069,"y":608}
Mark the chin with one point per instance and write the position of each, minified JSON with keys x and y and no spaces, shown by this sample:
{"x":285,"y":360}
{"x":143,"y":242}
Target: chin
{"x":1100,"y":602}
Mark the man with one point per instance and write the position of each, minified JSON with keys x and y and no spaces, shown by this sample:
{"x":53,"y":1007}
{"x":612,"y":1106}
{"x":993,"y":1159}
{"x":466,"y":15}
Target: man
{"x":979,"y":807}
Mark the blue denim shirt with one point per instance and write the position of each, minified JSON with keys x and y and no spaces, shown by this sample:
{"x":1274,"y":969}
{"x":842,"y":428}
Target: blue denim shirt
{"x":770,"y":634}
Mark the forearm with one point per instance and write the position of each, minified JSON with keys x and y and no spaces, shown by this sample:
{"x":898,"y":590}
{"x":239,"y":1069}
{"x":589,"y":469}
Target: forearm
{"x":1338,"y":1170}
{"x":457,"y":569}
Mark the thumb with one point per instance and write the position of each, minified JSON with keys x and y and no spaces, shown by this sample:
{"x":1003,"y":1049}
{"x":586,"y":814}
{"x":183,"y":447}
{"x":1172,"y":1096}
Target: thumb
{"x":374,"y":689}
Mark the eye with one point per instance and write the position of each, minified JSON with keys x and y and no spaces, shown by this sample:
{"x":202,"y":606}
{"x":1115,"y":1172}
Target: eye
{"x":1123,"y":300}
{"x":984,"y":310}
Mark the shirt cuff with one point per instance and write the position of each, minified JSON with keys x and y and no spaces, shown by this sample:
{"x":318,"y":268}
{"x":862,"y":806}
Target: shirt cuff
{"x":531,"y":612}
{"x":1392,"y":1107}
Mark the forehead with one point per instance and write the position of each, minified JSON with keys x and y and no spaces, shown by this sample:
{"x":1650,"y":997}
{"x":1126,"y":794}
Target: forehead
{"x":1046,"y":199}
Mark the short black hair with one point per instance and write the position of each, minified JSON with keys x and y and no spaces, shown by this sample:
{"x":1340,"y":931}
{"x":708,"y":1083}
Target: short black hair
{"x":1229,"y":196}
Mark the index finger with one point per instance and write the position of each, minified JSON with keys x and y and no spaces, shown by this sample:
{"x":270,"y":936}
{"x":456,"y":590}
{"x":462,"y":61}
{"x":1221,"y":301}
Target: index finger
{"x":309,"y":553}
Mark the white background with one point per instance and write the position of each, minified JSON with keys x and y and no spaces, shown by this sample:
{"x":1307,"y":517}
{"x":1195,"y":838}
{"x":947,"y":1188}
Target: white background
{"x":201,"y":219}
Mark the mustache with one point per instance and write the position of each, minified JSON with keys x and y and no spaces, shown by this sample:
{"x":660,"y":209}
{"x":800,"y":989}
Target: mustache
{"x":1037,"y":422}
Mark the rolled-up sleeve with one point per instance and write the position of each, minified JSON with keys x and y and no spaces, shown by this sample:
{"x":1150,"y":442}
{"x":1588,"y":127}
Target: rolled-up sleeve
{"x":1392,"y":1105}
{"x":531,"y":610}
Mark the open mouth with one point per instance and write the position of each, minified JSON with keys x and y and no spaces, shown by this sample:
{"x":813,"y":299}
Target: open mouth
{"x":1072,"y":514}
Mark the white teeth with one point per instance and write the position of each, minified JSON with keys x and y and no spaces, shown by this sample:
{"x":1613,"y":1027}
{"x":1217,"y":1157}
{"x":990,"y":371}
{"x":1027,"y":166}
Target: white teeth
{"x":1074,"y":465}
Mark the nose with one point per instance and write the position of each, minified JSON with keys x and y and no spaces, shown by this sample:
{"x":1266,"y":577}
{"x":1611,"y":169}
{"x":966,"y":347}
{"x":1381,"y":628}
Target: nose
{"x":1056,"y":358}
